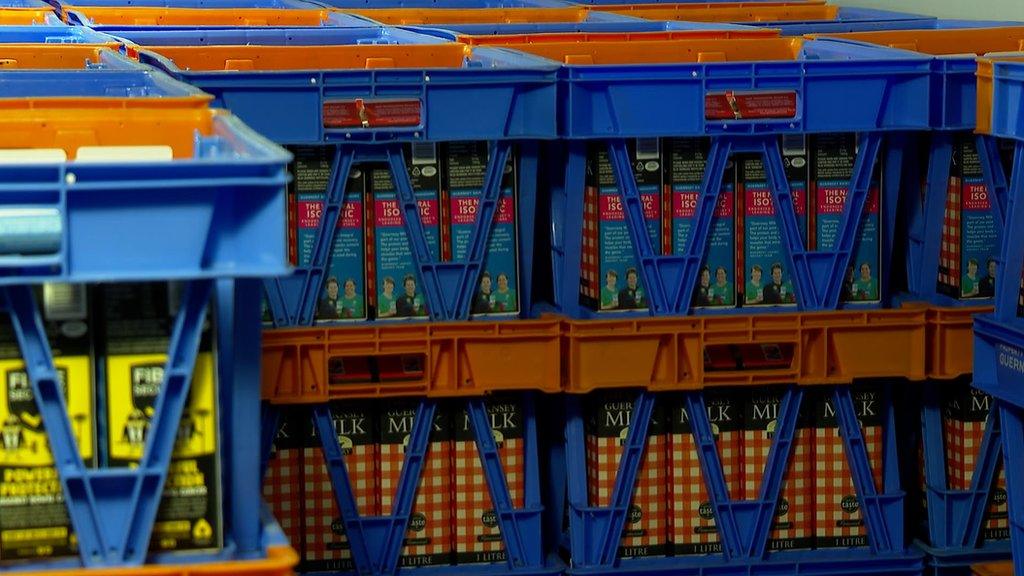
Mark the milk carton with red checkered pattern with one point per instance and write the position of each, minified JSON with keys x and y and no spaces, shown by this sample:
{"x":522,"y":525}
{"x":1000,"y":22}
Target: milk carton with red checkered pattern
{"x":428,"y":539}
{"x":609,"y":276}
{"x":608,"y":423}
{"x":793,"y":526}
{"x":477,"y":532}
{"x":832,"y":163}
{"x":967,"y":266}
{"x":283,"y":488}
{"x":716,"y":283}
{"x":693,"y":527}
{"x":837,"y":517}
{"x":326,"y":547}
{"x":965,"y":416}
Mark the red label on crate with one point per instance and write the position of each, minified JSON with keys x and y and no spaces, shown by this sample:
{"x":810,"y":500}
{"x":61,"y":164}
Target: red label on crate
{"x":361,"y":113}
{"x":731,"y":105}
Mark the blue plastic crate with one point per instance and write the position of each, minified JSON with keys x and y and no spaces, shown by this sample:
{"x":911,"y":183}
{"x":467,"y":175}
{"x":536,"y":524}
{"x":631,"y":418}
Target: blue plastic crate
{"x":872,"y":87}
{"x":954,"y":44}
{"x":594,"y":23}
{"x":999,"y":337}
{"x":513,"y":98}
{"x":955,"y":519}
{"x":204,"y":13}
{"x":376,"y":541}
{"x":743,"y":526}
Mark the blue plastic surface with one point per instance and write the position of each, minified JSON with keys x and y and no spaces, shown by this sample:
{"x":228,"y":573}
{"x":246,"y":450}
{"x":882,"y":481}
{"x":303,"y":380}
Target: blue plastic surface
{"x":78,"y":18}
{"x":743,"y":525}
{"x":230,"y":194}
{"x":596,"y":22}
{"x":376,"y":541}
{"x":52,"y":35}
{"x":834,"y":93}
{"x":512,"y":96}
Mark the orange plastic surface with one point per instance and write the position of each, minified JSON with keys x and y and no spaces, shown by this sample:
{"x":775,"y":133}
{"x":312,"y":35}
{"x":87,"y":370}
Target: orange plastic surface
{"x":511,"y":40}
{"x":978,"y":41}
{"x":357,"y":56}
{"x":51,"y":56}
{"x":951,"y":341}
{"x":24,"y":16}
{"x":280,"y":561}
{"x":312,"y":365}
{"x":986,"y":88}
{"x":666,"y":51}
{"x":693,"y":352}
{"x":727,"y":11}
{"x":64,"y":123}
{"x":993,"y":569}
{"x":423,"y":16}
{"x":144,"y":16}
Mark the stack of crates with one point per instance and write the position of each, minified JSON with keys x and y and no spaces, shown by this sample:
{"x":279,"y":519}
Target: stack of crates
{"x":491,"y":202}
{"x":998,"y":338}
{"x":138,"y":223}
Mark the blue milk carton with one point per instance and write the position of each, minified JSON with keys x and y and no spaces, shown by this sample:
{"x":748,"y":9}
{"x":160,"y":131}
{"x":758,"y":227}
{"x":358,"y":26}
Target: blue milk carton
{"x":716,"y":283}
{"x":967,"y":265}
{"x":610,"y":278}
{"x":832,"y":163}
{"x":498,"y":292}
{"x":342,"y":296}
{"x":767,"y":281}
{"x":395,"y":280}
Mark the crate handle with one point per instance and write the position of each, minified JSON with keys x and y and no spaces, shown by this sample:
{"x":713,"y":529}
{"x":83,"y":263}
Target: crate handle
{"x":579,"y":59}
{"x":238,"y":64}
{"x":711,"y":57}
{"x":8,"y":63}
{"x":30,"y":231}
{"x":372,"y":63}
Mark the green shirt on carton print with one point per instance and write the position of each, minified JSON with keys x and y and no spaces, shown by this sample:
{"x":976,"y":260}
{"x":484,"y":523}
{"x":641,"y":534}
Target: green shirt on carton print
{"x":351,"y":307}
{"x":609,"y":298}
{"x":754,"y":294}
{"x":866,"y":289}
{"x":968,"y":285}
{"x":385,"y":305}
{"x":410,"y":306}
{"x":503,"y":302}
{"x":721,"y":295}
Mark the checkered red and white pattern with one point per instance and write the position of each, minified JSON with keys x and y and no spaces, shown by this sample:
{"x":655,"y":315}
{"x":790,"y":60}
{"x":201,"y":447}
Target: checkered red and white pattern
{"x":650,"y":494}
{"x":283,"y":491}
{"x":325,"y":539}
{"x":833,"y":481}
{"x":433,"y":496}
{"x":955,"y":442}
{"x":797,"y":484}
{"x":474,"y":499}
{"x":688,"y":490}
{"x":949,"y":254}
{"x":973,"y":432}
{"x":590,"y":269}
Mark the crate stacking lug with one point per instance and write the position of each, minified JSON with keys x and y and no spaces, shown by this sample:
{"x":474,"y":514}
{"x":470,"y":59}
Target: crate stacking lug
{"x":743,"y":525}
{"x":112,"y":510}
{"x":376,"y":542}
{"x":448,"y":286}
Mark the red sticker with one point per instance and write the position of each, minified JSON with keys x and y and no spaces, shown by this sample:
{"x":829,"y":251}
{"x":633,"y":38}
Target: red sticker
{"x":731,"y":105}
{"x":361,"y":113}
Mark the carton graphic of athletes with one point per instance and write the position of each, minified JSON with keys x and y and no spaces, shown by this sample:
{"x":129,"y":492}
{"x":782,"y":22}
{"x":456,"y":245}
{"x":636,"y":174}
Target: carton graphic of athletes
{"x":495,"y":300}
{"x":629,"y":297}
{"x":340,"y":302}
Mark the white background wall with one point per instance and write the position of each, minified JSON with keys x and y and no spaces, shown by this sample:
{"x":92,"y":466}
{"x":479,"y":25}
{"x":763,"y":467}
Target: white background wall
{"x":976,"y":9}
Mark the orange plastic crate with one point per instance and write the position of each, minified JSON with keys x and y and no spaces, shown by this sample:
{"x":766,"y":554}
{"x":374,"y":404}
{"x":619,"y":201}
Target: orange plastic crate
{"x":954,"y":41}
{"x":985,"y":90}
{"x":727,"y":11}
{"x":427,"y":16}
{"x":26,"y":16}
{"x":950,"y":346}
{"x":148,"y":16}
{"x":518,"y":40}
{"x":355,"y":56}
{"x":688,"y":353}
{"x":993,"y":569}
{"x":312,"y":365}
